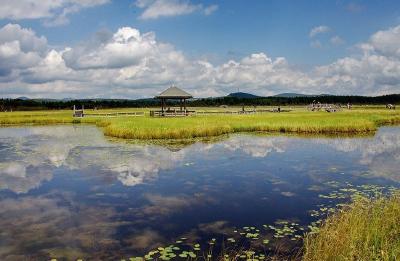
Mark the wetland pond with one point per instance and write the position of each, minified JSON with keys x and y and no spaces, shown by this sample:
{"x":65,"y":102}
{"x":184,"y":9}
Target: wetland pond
{"x":69,"y":192}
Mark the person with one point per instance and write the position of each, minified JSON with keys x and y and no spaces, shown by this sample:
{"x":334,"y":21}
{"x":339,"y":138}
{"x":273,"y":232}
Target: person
{"x":279,"y":108}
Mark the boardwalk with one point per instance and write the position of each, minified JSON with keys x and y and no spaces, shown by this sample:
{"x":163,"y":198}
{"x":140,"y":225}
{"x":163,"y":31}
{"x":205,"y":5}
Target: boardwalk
{"x":115,"y":114}
{"x":81,"y":113}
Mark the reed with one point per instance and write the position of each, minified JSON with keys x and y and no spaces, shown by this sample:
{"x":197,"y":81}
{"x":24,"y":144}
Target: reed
{"x":213,"y":125}
{"x":366,"y":230}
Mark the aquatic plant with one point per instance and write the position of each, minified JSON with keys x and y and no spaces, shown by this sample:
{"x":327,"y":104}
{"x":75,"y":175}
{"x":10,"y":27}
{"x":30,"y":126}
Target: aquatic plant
{"x":367,"y":229}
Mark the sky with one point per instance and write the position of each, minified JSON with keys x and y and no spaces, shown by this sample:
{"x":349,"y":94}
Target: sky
{"x":137,"y":48}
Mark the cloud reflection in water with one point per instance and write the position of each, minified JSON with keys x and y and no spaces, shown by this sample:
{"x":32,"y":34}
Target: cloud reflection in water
{"x":42,"y":149}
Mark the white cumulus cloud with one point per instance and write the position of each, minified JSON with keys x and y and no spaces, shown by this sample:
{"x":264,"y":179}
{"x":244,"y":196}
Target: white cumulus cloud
{"x":154,"y":9}
{"x":319,"y":30}
{"x":386,"y":42}
{"x":19,"y":48}
{"x":128,"y":63}
{"x":55,"y":12}
{"x":337,"y":40}
{"x":210,"y":9}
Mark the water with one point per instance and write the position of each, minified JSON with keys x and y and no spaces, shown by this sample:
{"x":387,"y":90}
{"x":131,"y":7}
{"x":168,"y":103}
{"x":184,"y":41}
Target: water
{"x":67,"y":191}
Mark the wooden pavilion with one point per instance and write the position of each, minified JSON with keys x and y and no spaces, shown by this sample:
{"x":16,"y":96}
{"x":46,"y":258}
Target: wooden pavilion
{"x":173,"y":93}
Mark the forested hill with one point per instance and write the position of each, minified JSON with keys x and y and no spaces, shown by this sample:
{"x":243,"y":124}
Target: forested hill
{"x":298,"y":100}
{"x":38,"y":104}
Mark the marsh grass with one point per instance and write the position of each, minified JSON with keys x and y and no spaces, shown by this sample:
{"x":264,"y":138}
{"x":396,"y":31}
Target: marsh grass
{"x":143,"y":128}
{"x":368,"y":229}
{"x":45,"y":118}
{"x":213,"y":125}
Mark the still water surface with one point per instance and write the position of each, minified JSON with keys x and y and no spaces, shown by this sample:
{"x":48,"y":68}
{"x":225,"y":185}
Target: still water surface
{"x":69,"y":191}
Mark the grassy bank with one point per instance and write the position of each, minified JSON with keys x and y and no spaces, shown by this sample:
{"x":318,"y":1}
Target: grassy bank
{"x":366,"y":230}
{"x":296,"y":121}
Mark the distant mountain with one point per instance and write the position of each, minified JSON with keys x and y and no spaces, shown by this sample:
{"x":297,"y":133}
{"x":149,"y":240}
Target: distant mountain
{"x":242,"y":95}
{"x":292,"y":95}
{"x":23,"y":98}
{"x":46,"y":100}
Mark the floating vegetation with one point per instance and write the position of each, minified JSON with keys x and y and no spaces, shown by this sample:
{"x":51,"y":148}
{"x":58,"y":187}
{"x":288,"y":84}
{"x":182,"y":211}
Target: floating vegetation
{"x":264,"y":236}
{"x":197,"y":247}
{"x":341,"y":197}
{"x":333,"y":195}
{"x":231,"y":240}
{"x":166,"y":253}
{"x":186,"y":254}
{"x":283,"y":228}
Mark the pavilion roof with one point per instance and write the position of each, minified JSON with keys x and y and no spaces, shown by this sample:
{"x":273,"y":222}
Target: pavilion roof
{"x":174,"y":92}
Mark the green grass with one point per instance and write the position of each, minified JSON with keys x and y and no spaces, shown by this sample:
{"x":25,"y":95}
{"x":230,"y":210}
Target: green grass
{"x":360,"y":121}
{"x":41,"y":118}
{"x":297,"y":121}
{"x":366,"y":230}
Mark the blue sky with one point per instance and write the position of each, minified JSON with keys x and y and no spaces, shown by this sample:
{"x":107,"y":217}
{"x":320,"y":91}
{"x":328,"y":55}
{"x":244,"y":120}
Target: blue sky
{"x":316,"y":39}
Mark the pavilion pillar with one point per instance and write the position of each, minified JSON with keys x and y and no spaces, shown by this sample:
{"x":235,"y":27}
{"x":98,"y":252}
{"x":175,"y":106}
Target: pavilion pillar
{"x":162,"y":106}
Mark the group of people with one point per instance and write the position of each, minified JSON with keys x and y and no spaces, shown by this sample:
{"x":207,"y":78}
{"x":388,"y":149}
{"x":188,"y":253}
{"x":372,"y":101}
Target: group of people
{"x":390,"y":106}
{"x":317,"y":105}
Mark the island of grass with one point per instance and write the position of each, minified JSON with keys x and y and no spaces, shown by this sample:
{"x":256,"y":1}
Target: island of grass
{"x":356,"y":121}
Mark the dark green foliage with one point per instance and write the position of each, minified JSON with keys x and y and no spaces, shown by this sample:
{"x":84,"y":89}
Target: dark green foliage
{"x":52,"y":104}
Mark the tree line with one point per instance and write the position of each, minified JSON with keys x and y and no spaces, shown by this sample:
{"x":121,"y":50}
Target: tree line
{"x":42,"y":104}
